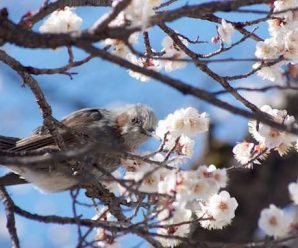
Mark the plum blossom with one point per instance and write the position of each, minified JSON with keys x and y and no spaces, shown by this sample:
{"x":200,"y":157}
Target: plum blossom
{"x":103,"y":237}
{"x":173,"y":51}
{"x":272,"y":138}
{"x":151,"y":64}
{"x":225,"y":31}
{"x":183,"y":121}
{"x":108,"y":244}
{"x":62,"y":21}
{"x":219,"y":175}
{"x":148,"y":175}
{"x":267,"y":49}
{"x":184,"y":146}
{"x":291,"y":46}
{"x":169,"y":219}
{"x":249,"y":153}
{"x":193,"y":185}
{"x":283,"y":41}
{"x":119,"y":47}
{"x":272,"y":73}
{"x":293,"y":190}
{"x":139,"y":12}
{"x":281,"y":5}
{"x":221,"y":210}
{"x":274,"y":222}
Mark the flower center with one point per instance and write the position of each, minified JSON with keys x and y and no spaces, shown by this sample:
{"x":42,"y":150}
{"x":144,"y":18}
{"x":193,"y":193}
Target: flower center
{"x":223,"y":206}
{"x":273,"y":221}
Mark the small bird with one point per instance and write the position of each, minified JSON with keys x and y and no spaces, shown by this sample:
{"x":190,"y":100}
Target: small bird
{"x":120,"y":130}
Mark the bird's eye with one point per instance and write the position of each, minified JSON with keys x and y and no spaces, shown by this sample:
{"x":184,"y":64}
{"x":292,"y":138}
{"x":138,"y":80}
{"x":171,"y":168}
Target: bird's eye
{"x":136,"y":121}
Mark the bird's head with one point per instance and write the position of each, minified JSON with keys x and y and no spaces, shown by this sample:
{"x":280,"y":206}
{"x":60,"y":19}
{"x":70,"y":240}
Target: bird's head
{"x":136,"y":123}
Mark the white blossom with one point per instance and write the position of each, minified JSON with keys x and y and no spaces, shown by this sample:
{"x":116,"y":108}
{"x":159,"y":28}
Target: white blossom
{"x":62,"y":21}
{"x":183,"y":121}
{"x":173,"y":51}
{"x":270,"y":137}
{"x":286,"y":19}
{"x":267,"y":49}
{"x":108,"y":244}
{"x":274,"y":222}
{"x":219,"y":175}
{"x":217,"y":178}
{"x":139,"y":12}
{"x":101,"y":234}
{"x":198,"y":187}
{"x":285,"y":4}
{"x":249,"y":153}
{"x":291,"y":46}
{"x":221,"y":210}
{"x":225,"y":31}
{"x":191,"y":185}
{"x":166,"y":217}
{"x":119,"y":47}
{"x":272,"y":73}
{"x":148,"y":175}
{"x":185,"y":146}
{"x":293,"y":190}
{"x":151,"y":64}
{"x":283,"y":41}
{"x":276,"y":27}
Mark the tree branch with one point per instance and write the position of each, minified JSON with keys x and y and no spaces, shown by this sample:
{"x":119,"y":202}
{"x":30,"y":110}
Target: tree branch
{"x":10,"y":224}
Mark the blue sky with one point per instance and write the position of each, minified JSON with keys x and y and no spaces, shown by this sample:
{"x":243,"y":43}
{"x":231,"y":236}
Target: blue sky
{"x":103,"y":84}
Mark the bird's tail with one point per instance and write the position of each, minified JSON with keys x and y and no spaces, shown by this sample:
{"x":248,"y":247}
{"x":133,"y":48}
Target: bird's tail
{"x":11,"y":179}
{"x":7,"y":143}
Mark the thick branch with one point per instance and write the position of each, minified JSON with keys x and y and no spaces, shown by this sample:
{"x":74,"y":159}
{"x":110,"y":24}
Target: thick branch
{"x":23,"y":37}
{"x":49,"y":8}
{"x":202,"y":10}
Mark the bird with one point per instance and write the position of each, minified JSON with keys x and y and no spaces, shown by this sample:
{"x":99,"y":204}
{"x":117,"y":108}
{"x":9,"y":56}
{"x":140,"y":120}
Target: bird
{"x":112,"y":131}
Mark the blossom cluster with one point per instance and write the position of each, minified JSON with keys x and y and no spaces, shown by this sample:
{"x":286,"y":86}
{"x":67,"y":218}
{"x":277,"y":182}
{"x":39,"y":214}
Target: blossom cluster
{"x":273,"y":221}
{"x":268,"y":138}
{"x":62,"y":21}
{"x":137,"y":13}
{"x":185,"y":196}
{"x":283,"y":43}
{"x":172,"y":59}
{"x":225,"y":31}
{"x":276,"y":222}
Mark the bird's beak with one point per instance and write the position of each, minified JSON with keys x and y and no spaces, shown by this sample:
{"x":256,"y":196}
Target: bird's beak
{"x":150,"y":133}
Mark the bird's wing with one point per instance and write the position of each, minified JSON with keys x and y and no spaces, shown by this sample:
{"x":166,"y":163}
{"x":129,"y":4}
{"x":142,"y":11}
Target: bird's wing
{"x":80,"y":121}
{"x":35,"y":142}
{"x":86,"y":115}
{"x":7,"y":142}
